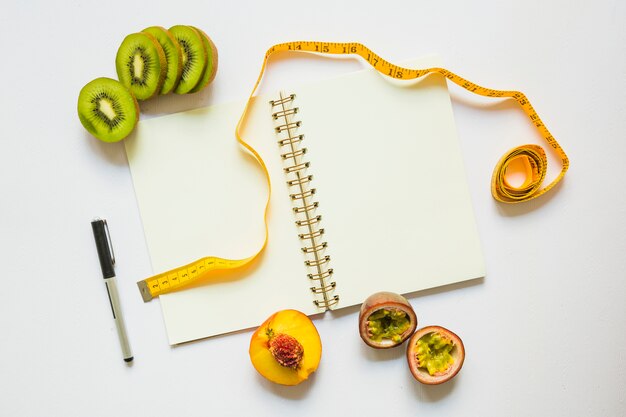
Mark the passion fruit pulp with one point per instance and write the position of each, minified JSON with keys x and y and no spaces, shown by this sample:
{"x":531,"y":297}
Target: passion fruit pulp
{"x":386,"y":320}
{"x":435,"y":355}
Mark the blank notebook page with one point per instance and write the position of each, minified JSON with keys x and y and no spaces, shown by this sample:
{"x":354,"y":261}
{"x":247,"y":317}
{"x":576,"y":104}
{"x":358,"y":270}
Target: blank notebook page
{"x":390,"y":183}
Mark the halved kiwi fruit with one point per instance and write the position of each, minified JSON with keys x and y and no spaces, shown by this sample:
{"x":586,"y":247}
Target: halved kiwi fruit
{"x":194,"y":57}
{"x":107,"y":109}
{"x":173,"y":56}
{"x":141,"y":65}
{"x":211,"y":68}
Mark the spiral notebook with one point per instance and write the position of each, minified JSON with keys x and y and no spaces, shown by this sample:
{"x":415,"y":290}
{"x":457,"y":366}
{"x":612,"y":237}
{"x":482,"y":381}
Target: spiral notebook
{"x":369,"y":194}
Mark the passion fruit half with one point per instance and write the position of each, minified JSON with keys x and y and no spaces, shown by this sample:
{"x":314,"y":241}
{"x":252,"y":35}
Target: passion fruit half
{"x":435,"y":355}
{"x":386,"y":320}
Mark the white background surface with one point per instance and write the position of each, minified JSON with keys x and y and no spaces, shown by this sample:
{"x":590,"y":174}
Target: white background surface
{"x":544,"y":332}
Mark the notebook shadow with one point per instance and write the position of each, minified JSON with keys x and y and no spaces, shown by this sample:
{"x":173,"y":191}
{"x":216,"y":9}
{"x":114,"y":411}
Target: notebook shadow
{"x":415,"y":294}
{"x":446,"y":288}
{"x":345,"y":311}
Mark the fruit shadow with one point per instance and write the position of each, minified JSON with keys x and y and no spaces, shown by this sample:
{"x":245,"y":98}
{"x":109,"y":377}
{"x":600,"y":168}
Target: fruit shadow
{"x":294,"y":393}
{"x":380,"y":355}
{"x":368,"y":352}
{"x":112,"y":152}
{"x":175,"y":103}
{"x":431,"y":393}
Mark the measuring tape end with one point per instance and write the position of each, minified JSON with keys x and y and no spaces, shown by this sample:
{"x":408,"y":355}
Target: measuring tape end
{"x":145,"y":292}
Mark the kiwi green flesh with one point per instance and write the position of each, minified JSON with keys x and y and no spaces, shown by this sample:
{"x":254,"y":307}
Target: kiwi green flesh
{"x":173,"y":56}
{"x":434,"y":353}
{"x":210,"y":69}
{"x":140,"y":65}
{"x":194,"y":57}
{"x":107,"y":109}
{"x":388,"y":324}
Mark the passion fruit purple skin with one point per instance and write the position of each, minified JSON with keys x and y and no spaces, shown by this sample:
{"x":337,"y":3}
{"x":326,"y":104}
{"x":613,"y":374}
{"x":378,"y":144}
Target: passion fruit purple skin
{"x":421,"y":374}
{"x":391,"y":301}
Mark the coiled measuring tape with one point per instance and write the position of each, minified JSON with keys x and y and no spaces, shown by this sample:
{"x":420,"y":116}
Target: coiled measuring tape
{"x":531,"y":157}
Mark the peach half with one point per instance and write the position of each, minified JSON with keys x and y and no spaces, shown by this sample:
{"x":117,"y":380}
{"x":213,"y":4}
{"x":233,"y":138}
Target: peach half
{"x":286,"y":348}
{"x":435,"y":355}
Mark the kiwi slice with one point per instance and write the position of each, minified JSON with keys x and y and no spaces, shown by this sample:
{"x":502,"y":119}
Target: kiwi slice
{"x":107,"y":109}
{"x":173,"y":56}
{"x":211,"y":68}
{"x":194,"y":57}
{"x":141,"y":65}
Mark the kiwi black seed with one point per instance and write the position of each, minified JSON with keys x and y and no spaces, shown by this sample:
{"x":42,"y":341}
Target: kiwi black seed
{"x":211,"y":68}
{"x":173,"y":56}
{"x":194,"y":57}
{"x":141,"y":65}
{"x":107,"y":109}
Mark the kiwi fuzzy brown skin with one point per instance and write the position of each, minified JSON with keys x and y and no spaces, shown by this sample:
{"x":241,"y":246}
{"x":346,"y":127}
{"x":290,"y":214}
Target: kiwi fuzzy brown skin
{"x":458,"y":353}
{"x":212,"y":61}
{"x":107,"y":109}
{"x":385,"y":300}
{"x":147,"y":49}
{"x":173,"y":57}
{"x":194,"y":57}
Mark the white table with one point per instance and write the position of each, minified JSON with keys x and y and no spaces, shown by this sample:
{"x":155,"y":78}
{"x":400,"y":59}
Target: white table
{"x":544,"y":332}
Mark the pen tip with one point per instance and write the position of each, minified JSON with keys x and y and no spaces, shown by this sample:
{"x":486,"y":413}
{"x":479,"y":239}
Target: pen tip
{"x":129,"y":359}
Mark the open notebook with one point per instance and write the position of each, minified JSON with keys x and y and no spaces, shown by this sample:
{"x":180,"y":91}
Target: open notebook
{"x":388,"y":176}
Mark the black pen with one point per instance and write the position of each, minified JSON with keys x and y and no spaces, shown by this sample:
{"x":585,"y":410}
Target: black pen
{"x":107,"y":260}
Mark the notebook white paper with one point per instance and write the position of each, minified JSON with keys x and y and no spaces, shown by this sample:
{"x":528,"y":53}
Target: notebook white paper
{"x":390,"y":183}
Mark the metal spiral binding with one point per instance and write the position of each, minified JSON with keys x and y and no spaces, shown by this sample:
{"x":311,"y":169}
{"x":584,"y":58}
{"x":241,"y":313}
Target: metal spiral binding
{"x":323,"y":275}
{"x":309,"y":207}
{"x":308,"y":222}
{"x":299,"y":183}
{"x":297,"y":167}
{"x":290,"y":140}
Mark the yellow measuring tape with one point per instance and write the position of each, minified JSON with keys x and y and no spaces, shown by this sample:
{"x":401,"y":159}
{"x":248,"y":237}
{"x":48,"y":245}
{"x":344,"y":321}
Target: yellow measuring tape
{"x":531,"y":158}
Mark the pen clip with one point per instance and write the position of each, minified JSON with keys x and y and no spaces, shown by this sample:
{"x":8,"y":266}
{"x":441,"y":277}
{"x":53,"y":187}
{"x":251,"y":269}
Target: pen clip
{"x":109,"y":242}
